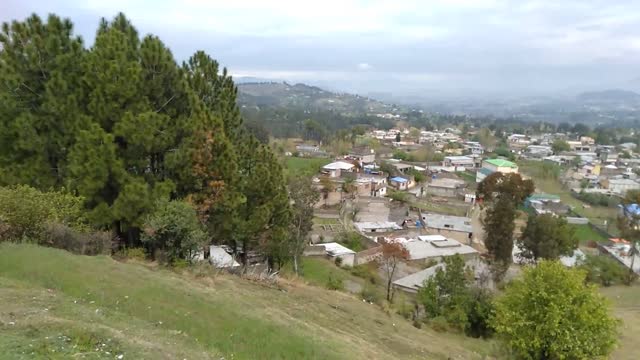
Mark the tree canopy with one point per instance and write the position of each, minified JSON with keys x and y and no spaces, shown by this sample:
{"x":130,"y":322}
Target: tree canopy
{"x":551,"y":314}
{"x":125,"y":127}
{"x":547,"y":237}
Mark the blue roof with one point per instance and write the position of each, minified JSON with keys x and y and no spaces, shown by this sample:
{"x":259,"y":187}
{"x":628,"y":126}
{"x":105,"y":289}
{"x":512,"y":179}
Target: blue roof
{"x":399,"y":179}
{"x":633,"y":209}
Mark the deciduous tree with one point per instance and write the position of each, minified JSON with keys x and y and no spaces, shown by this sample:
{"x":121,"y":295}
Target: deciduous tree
{"x":304,"y":196}
{"x":551,"y":314}
{"x":547,"y":237}
{"x":392,"y":255}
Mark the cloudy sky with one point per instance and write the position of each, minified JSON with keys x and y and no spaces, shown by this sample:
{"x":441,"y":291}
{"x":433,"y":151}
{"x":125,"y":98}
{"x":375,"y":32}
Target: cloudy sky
{"x":430,"y":48}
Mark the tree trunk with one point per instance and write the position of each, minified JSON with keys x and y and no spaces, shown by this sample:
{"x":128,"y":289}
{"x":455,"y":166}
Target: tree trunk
{"x":389,"y":289}
{"x":295,"y":264}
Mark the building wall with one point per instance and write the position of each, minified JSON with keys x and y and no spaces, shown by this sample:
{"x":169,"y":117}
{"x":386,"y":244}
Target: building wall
{"x":442,"y":191}
{"x":347,"y":259}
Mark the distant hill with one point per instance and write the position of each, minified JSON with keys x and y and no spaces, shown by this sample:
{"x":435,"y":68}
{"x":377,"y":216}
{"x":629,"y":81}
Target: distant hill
{"x":613,"y":95}
{"x":282,"y":94}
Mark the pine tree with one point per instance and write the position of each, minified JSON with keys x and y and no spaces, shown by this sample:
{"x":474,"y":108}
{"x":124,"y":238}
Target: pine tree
{"x":40,"y":100}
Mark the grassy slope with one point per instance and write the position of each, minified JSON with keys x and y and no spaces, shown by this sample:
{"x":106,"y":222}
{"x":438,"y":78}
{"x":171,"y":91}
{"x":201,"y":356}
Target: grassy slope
{"x":626,"y":306}
{"x":305,"y":166}
{"x":57,"y":305}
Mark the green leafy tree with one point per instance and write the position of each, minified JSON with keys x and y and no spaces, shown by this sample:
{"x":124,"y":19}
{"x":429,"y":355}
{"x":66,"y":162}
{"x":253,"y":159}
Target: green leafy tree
{"x":304,"y":195}
{"x":547,"y":237}
{"x":502,"y":194}
{"x":551,"y":314}
{"x":174,"y":229}
{"x":559,"y":146}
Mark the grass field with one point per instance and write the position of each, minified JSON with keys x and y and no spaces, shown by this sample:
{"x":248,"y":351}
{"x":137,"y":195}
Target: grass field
{"x":54,"y":305}
{"x":440,"y":208}
{"x":306,"y":166}
{"x":585,"y":233}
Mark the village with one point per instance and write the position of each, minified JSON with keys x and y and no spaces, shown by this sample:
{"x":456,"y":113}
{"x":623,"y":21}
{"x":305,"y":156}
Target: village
{"x":381,"y":194}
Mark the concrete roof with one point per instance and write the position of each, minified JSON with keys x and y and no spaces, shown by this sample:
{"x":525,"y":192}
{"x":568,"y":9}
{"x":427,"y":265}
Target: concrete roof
{"x":342,"y":165}
{"x":419,"y":250}
{"x":415,"y":281}
{"x":368,"y":225}
{"x":335,"y":249}
{"x":446,"y":183}
{"x":458,"y":158}
{"x":456,"y":223}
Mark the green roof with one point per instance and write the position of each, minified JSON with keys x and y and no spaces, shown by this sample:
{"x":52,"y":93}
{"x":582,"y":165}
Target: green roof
{"x":501,"y":163}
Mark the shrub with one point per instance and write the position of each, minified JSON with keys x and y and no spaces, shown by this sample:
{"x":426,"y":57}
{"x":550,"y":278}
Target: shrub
{"x":173,"y":229}
{"x":367,"y":273}
{"x":371,"y":294}
{"x":334,"y":282}
{"x":63,"y":237}
{"x":135,"y":253}
{"x":439,"y":323}
{"x":338,"y":261}
{"x":603,"y":270}
{"x":351,"y":239}
{"x":399,"y":196}
{"x":25,"y":212}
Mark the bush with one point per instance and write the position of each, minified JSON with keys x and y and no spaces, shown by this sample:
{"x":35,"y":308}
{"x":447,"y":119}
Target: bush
{"x":399,"y":196}
{"x":603,"y":270}
{"x":135,"y":253}
{"x":371,"y":294}
{"x":173,"y":229}
{"x":598,"y":199}
{"x":351,"y":239}
{"x":334,"y":282}
{"x":63,"y":237}
{"x":367,"y":273}
{"x":338,"y":261}
{"x":439,"y":323}
{"x":25,"y":212}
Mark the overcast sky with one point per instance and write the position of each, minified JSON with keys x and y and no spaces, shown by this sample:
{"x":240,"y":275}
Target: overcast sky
{"x":434,"y":48}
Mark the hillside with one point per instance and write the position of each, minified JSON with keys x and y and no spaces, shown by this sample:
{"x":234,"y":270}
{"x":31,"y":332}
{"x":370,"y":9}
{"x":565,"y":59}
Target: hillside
{"x":308,"y":97}
{"x":55,"y":305}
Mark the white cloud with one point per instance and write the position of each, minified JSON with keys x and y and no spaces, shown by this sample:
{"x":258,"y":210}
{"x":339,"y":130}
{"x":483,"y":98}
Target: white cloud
{"x":364,"y":66}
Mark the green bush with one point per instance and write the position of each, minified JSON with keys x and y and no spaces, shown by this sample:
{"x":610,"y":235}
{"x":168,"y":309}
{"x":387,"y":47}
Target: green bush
{"x":334,"y":282}
{"x":338,"y":261}
{"x":135,"y":253}
{"x":25,"y":212}
{"x":598,"y":199}
{"x":351,"y":239}
{"x":399,"y":196}
{"x":173,"y":232}
{"x":439,"y":323}
{"x":366,"y":272}
{"x":370,"y":294}
{"x":603,"y":270}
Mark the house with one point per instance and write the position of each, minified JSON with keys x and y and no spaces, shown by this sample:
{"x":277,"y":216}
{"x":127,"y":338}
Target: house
{"x":335,"y":250}
{"x":334,"y":169}
{"x":368,"y":227}
{"x":310,"y":150}
{"x":569,"y":261}
{"x":546,"y":204}
{"x":579,"y":146}
{"x":403,"y":168}
{"x":445,"y":187}
{"x":453,"y":227}
{"x":458,"y":161}
{"x":219,"y":258}
{"x":538,"y":151}
{"x":620,"y":186}
{"x":491,"y":166}
{"x":401,"y":183}
{"x":364,"y":155}
{"x":374,"y":186}
{"x":436,"y":247}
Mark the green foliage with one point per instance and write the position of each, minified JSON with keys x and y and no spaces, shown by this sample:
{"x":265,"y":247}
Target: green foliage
{"x":399,"y":196}
{"x":559,"y":146}
{"x":401,"y":155}
{"x":449,"y":295}
{"x":365,"y":271}
{"x":83,"y":243}
{"x":551,"y":314}
{"x":135,"y":253}
{"x":550,"y":170}
{"x":603,"y":270}
{"x":598,"y":199}
{"x":547,"y":237}
{"x":173,"y":228}
{"x":505,"y":152}
{"x":418,"y":176}
{"x":25,"y":212}
{"x":499,"y":225}
{"x":335,"y":282}
{"x":304,"y":196}
{"x":352,"y":240}
{"x":371,"y":294}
